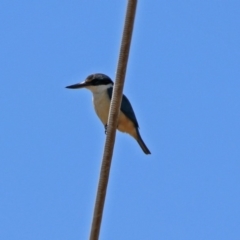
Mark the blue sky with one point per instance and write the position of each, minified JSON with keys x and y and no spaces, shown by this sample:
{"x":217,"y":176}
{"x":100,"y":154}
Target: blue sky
{"x":183,"y":80}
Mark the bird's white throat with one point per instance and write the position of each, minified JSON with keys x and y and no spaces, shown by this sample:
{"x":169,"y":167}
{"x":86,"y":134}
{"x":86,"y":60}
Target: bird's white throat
{"x":99,"y":88}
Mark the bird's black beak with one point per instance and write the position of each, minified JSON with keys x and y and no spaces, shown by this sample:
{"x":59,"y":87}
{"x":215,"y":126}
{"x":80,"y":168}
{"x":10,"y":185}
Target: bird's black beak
{"x":78,"y":85}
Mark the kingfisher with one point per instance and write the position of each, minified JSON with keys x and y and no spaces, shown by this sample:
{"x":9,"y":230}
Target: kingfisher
{"x":101,"y":87}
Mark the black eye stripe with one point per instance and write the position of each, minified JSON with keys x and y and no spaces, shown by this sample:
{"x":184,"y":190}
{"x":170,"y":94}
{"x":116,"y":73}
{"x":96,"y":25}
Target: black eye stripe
{"x":95,"y":82}
{"x":101,"y":82}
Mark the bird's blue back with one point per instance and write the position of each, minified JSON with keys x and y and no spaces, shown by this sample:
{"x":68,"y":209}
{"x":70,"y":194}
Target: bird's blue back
{"x":126,"y":107}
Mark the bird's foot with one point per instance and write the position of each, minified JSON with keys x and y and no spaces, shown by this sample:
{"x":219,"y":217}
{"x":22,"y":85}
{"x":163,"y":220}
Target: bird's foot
{"x":105,"y":126}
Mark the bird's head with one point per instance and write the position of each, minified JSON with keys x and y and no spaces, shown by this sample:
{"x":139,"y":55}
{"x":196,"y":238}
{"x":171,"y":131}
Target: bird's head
{"x":97,"y":82}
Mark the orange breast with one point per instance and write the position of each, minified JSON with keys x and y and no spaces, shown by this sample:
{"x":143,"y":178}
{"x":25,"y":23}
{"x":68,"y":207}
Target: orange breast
{"x":126,"y":125}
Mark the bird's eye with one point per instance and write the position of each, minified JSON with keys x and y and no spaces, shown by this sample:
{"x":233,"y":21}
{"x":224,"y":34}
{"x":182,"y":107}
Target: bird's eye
{"x":95,"y":82}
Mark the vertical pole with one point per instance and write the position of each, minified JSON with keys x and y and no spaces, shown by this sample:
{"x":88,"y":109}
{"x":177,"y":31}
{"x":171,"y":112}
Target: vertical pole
{"x":112,"y":119}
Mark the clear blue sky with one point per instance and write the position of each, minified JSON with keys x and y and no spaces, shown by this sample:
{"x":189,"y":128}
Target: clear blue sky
{"x":183,"y":81}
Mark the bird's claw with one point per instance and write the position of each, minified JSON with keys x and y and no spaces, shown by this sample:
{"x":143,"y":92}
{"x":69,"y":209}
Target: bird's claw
{"x":105,"y":126}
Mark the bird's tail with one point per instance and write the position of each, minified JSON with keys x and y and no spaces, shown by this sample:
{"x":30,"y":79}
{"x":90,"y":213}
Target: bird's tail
{"x":142,"y":144}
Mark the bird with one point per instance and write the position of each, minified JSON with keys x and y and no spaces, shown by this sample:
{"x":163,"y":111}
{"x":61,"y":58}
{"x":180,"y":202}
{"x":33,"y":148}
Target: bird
{"x":101,"y":87}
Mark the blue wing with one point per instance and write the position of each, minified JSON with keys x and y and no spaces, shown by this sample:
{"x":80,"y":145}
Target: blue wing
{"x":126,"y":107}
